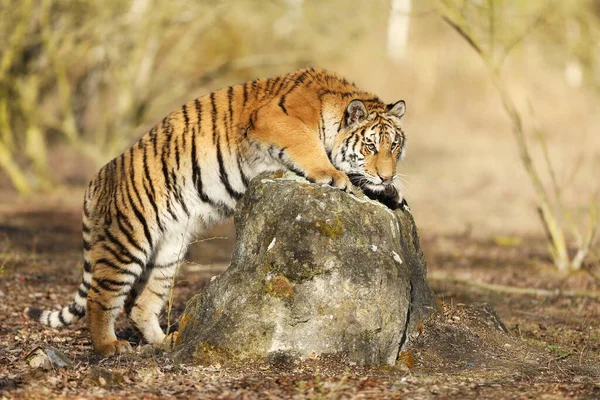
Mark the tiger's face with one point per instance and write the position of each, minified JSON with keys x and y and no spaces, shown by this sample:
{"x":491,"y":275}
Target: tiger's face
{"x":369,"y":146}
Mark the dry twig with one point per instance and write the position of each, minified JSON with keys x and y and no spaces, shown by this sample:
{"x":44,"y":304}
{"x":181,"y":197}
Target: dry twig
{"x":493,"y":287}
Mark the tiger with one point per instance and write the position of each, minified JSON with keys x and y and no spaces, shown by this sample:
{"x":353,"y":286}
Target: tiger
{"x":143,"y":208}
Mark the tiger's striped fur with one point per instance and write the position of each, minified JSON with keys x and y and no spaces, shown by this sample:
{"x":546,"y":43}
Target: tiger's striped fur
{"x":142,"y":209}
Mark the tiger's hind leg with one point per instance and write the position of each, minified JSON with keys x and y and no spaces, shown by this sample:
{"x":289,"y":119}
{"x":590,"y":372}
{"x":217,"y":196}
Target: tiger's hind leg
{"x":114,"y":274}
{"x":145,"y":305}
{"x":149,"y":297}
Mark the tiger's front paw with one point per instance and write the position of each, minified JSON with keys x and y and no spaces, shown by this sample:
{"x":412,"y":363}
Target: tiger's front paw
{"x":332,"y":177}
{"x":393,"y":202}
{"x":398,"y":202}
{"x":390,"y":197}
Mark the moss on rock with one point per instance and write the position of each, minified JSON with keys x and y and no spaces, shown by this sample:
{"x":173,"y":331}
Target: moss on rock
{"x":280,"y":287}
{"x":332,"y":229}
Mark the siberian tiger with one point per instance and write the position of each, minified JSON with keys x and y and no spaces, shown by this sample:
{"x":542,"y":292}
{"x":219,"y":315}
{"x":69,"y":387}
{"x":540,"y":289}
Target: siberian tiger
{"x":187,"y":173}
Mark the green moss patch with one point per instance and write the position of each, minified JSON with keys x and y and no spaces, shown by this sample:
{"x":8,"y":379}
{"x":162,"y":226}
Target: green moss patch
{"x":332,"y":230}
{"x":209,"y":354}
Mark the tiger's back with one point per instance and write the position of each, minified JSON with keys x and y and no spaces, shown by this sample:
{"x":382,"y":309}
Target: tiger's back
{"x":143,"y":208}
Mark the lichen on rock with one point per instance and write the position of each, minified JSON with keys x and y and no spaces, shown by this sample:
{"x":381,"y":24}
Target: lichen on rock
{"x":316,"y":271}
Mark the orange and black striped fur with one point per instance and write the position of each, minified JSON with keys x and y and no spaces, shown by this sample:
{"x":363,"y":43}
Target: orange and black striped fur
{"x":142,"y":209}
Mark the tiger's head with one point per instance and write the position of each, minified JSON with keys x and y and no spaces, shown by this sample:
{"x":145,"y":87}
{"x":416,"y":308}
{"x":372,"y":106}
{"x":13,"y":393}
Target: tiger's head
{"x":369,"y":145}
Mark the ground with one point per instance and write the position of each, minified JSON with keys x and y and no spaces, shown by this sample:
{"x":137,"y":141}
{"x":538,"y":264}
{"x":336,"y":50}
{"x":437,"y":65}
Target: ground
{"x":551,"y":350}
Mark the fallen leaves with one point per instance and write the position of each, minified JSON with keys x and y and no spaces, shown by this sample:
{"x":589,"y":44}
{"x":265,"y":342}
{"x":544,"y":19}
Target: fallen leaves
{"x":104,"y":377}
{"x":407,"y":359}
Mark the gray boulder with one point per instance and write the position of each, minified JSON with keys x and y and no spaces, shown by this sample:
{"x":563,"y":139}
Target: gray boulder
{"x":315,"y":272}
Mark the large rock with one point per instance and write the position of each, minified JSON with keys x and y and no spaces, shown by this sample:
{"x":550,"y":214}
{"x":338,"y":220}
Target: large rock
{"x":315,"y":271}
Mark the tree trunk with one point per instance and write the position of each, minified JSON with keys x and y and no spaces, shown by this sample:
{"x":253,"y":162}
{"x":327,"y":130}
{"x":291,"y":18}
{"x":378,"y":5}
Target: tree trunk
{"x":315,"y":272}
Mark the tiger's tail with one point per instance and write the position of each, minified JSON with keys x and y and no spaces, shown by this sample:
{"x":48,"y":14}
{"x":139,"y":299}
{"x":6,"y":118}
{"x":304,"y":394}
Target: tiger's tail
{"x":68,"y":315}
{"x":76,"y":309}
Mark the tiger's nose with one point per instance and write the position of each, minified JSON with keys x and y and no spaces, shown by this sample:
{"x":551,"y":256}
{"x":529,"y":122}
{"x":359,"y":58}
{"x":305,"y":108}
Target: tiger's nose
{"x":385,"y":178}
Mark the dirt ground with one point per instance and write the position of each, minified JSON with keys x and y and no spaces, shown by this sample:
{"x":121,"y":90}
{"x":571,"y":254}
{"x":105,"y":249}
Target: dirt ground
{"x":551,"y":350}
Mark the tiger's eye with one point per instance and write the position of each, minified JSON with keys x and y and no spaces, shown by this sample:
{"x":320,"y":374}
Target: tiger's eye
{"x":370,"y":147}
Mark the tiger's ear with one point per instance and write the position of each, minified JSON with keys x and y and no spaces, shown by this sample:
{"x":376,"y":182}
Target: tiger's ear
{"x":355,"y":112}
{"x":396,"y":109}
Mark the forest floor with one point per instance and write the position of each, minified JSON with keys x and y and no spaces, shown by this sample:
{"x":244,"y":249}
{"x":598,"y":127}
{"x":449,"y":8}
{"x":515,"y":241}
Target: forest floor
{"x":556,"y":330}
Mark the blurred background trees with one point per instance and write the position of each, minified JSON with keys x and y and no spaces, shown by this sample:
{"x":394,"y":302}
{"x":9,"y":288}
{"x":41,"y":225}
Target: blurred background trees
{"x":493,"y":29}
{"x":91,"y":73}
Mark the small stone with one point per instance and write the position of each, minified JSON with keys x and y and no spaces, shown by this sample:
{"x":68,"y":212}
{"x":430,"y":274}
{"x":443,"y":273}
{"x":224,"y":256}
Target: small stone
{"x":150,"y":351}
{"x":58,"y":358}
{"x":373,"y":247}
